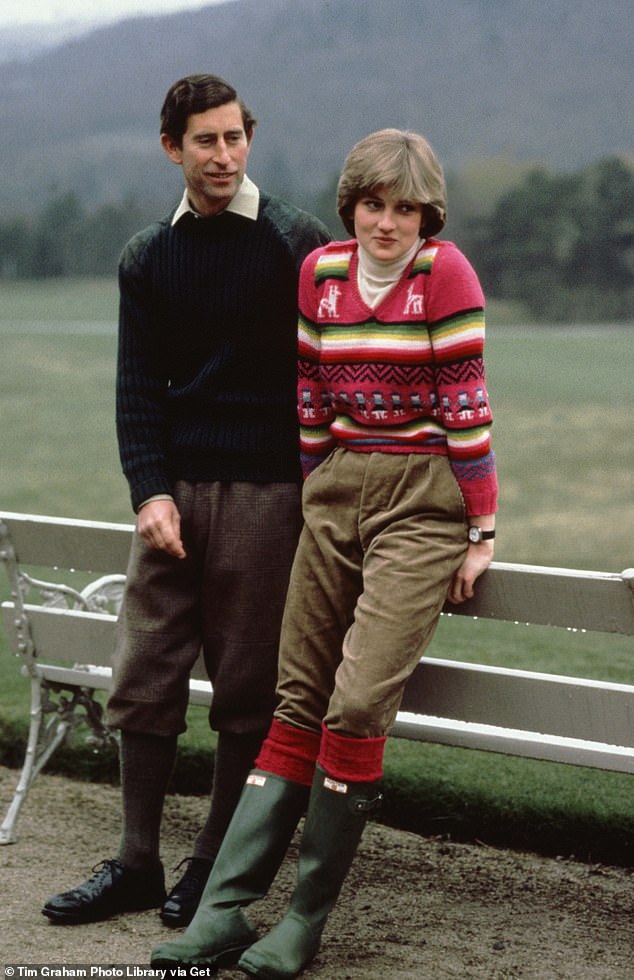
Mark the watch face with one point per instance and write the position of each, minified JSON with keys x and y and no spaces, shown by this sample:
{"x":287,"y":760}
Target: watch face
{"x":475,"y":535}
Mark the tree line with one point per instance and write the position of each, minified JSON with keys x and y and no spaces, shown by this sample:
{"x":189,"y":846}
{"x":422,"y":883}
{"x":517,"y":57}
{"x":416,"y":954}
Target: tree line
{"x":561,"y":245}
{"x":66,"y":239}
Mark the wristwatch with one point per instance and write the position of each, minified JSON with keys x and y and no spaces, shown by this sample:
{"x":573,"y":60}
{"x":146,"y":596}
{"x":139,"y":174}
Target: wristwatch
{"x":476,"y":535}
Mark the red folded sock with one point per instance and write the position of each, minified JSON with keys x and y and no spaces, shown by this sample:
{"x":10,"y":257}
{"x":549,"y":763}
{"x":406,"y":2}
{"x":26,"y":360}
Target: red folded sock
{"x":354,"y":760}
{"x":289,"y":752}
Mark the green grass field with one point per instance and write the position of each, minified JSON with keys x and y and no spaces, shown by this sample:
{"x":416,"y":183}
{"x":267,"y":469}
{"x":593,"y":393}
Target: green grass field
{"x":565,"y":446}
{"x":563,"y":431}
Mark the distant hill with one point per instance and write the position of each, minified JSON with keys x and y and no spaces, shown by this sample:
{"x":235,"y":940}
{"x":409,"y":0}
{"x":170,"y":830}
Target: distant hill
{"x":21,"y":41}
{"x":547,"y":81}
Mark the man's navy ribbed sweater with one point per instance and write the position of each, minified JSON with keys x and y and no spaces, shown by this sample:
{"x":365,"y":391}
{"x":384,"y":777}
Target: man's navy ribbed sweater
{"x":208,"y":348}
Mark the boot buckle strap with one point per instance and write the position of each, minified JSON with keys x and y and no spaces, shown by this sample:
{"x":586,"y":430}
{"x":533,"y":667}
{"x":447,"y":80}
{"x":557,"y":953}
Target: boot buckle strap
{"x":368,"y":806}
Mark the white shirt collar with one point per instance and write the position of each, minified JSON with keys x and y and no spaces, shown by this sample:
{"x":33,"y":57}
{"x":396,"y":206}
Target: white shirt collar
{"x":245,"y":202}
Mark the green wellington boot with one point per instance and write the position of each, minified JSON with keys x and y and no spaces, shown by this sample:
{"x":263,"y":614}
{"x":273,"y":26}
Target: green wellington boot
{"x":253,"y":849}
{"x":337,"y":814}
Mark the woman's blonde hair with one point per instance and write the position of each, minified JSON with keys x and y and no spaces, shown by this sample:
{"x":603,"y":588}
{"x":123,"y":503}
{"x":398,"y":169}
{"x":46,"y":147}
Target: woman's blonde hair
{"x":400,"y":162}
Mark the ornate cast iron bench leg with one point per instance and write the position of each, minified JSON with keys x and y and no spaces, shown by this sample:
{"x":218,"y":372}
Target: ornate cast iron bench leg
{"x":55,"y":713}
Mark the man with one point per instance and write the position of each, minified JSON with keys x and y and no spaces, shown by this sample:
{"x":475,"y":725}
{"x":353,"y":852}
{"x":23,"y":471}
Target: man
{"x":208,"y":440}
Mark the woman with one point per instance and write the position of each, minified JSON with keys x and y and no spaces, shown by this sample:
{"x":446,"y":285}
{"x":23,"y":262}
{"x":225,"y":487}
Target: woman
{"x":399,"y":504}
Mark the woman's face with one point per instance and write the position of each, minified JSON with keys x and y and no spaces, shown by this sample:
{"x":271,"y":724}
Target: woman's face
{"x":386,"y":226}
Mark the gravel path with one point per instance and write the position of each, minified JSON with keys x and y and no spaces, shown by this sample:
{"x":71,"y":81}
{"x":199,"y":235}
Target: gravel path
{"x":412,"y":908}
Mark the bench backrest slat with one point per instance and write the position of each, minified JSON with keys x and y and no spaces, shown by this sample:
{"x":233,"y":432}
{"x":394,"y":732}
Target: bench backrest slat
{"x":65,"y":635}
{"x":551,"y":704}
{"x":598,"y":601}
{"x":92,"y":546}
{"x":70,"y":635}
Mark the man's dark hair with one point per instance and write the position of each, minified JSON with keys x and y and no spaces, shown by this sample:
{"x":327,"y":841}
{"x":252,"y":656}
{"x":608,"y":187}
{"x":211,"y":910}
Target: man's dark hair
{"x":197,"y":93}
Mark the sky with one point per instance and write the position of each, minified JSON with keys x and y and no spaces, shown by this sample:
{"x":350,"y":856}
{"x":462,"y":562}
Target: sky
{"x":17,"y":12}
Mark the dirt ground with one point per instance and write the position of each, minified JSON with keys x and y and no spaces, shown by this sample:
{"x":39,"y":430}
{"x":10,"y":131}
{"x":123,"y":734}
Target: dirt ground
{"x":412,"y":908}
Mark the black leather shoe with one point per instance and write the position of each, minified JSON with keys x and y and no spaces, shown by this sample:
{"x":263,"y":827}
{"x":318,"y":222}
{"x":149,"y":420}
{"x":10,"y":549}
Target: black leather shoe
{"x":181,"y":903}
{"x":112,"y":889}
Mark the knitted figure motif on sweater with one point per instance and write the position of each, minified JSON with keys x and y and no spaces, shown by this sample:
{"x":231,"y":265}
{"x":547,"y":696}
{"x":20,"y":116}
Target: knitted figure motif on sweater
{"x":405,"y":377}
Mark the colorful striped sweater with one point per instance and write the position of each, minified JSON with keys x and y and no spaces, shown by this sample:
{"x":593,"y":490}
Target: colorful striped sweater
{"x":405,"y":377}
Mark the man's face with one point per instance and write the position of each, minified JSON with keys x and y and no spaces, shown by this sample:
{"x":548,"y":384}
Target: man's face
{"x":213,"y":156}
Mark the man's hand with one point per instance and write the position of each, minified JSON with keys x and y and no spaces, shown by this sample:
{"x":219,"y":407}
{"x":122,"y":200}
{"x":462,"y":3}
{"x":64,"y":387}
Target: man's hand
{"x":477,"y":560}
{"x":159,"y":524}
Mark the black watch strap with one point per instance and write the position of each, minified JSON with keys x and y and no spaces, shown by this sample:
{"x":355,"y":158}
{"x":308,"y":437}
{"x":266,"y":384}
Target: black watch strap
{"x":476,"y":534}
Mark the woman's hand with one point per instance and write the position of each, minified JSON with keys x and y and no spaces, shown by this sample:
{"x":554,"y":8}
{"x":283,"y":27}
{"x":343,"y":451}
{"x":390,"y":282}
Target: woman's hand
{"x":477,"y":560}
{"x":159,"y":524}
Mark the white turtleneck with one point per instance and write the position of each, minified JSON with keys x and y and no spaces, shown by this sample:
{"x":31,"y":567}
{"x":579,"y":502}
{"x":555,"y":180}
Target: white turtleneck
{"x":375,"y":279}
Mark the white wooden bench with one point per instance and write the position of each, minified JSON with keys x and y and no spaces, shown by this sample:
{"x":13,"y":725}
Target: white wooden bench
{"x":63,"y":635}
